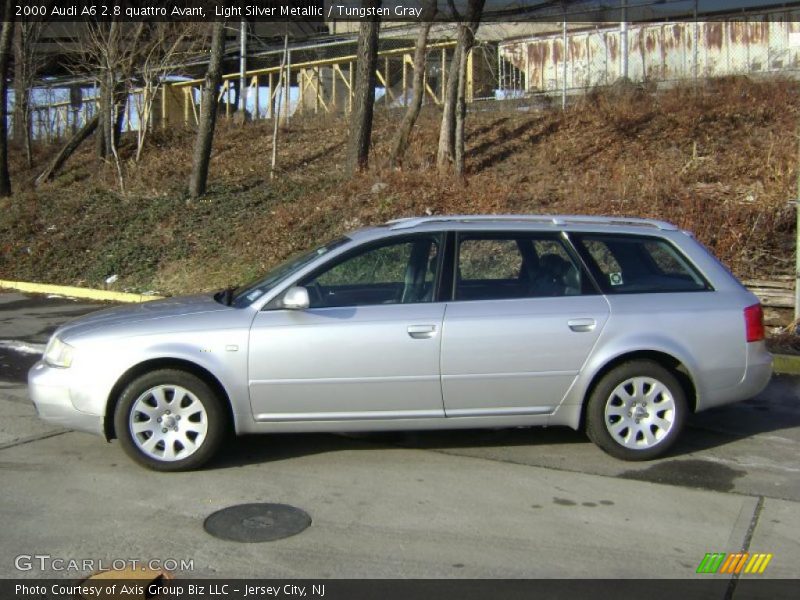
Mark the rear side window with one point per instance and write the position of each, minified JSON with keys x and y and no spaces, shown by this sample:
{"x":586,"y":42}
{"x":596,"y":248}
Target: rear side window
{"x":635,"y":265}
{"x":503,"y":266}
{"x":489,"y":259}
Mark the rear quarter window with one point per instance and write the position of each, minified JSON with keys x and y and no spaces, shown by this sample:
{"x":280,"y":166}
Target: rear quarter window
{"x":638,"y":264}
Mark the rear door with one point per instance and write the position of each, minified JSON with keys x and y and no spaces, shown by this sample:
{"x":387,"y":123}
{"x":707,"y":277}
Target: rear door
{"x":643,"y":276}
{"x":522,"y":321}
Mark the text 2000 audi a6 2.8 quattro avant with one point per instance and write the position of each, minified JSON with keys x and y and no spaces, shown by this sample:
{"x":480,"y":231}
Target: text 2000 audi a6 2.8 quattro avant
{"x":621,"y":326}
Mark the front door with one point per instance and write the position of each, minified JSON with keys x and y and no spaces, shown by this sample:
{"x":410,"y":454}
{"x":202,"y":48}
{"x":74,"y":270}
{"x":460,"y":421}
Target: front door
{"x":368,"y":347}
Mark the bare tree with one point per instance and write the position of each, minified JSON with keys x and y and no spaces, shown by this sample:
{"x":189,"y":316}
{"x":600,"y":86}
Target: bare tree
{"x":447,"y":129}
{"x":121,"y":56}
{"x":461,"y":101}
{"x":364,"y":95}
{"x":5,"y":57}
{"x":208,"y":112}
{"x":77,"y":138}
{"x":417,"y":86}
{"x":27,"y":65}
{"x":164,"y":44}
{"x":109,"y":52}
{"x":276,"y":117}
{"x":455,"y":101}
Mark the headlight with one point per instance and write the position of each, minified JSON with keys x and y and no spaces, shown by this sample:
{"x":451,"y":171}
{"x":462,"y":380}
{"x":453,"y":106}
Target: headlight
{"x":58,"y":353}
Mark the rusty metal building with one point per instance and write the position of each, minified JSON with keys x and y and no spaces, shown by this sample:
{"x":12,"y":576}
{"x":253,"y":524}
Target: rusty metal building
{"x":598,"y":55}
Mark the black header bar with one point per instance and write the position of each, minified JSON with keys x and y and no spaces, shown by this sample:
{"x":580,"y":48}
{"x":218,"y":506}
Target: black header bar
{"x":322,"y":11}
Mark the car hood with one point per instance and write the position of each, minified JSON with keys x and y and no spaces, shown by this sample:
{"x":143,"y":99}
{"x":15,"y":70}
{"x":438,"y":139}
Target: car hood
{"x":120,"y":316}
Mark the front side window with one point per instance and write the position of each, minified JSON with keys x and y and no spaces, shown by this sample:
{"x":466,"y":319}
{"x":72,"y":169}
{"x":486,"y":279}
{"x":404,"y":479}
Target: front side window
{"x":638,"y":264}
{"x":491,"y":267}
{"x":398,"y":272}
{"x":247,"y":294}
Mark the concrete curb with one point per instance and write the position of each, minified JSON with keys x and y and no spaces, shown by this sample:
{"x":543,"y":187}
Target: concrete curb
{"x":76,"y":292}
{"x":786,"y":364}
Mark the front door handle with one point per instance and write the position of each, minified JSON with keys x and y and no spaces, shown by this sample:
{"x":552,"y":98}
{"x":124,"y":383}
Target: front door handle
{"x":582,"y":325}
{"x":421,"y":332}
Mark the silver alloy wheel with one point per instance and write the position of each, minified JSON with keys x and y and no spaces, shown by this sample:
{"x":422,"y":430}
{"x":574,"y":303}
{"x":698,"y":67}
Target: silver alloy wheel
{"x":640,"y":412}
{"x":168,"y":423}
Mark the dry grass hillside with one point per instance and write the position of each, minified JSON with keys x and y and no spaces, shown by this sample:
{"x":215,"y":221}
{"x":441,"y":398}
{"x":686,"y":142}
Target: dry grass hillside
{"x":720,"y":161}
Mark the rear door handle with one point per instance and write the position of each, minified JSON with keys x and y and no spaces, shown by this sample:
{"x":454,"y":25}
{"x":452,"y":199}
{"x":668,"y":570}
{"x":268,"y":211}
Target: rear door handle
{"x":421,"y":332}
{"x":582,"y":325}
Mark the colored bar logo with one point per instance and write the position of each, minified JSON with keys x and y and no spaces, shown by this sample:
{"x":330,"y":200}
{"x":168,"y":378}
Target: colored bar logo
{"x":734,"y":564}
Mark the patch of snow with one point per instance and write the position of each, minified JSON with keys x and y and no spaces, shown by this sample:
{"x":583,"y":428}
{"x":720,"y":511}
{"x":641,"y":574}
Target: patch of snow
{"x":23,"y":347}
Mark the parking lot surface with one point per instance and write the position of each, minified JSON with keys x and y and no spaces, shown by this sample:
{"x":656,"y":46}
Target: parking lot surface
{"x":503,"y":503}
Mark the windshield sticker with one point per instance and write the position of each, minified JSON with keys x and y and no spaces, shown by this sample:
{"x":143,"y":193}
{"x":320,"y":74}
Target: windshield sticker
{"x":615,"y":278}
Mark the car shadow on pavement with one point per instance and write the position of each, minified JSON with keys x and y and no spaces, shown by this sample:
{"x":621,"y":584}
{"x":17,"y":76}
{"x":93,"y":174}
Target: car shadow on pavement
{"x":257,"y":449}
{"x":774,"y":410}
{"x":262,"y":449}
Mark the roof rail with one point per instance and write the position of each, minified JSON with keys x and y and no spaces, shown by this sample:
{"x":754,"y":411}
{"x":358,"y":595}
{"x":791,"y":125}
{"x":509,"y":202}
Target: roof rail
{"x":555,"y":220}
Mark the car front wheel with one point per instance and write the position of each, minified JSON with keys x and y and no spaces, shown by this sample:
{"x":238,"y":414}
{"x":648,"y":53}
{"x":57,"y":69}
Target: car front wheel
{"x":169,"y":420}
{"x":636,"y":411}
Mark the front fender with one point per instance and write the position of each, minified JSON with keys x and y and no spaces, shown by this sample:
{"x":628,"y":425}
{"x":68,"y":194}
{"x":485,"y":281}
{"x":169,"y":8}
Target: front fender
{"x":105,"y":370}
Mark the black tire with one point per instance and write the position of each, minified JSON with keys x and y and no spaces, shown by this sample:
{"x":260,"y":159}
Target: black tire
{"x":612,"y":411}
{"x":162,"y":398}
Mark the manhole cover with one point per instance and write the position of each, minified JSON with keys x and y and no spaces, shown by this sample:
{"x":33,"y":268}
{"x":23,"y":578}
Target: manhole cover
{"x":257,"y":522}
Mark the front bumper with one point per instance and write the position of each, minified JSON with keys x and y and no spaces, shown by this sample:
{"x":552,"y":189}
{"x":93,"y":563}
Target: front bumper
{"x":50,"y":390}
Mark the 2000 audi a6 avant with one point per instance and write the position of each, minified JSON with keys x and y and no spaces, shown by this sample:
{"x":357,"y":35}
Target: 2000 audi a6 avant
{"x":619,"y":326}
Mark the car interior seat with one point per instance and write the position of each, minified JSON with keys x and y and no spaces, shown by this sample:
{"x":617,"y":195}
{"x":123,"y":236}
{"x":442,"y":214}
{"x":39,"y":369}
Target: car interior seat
{"x":555,"y":277}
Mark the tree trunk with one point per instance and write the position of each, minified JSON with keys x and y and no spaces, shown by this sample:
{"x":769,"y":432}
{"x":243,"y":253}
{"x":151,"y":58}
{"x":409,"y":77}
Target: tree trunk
{"x":461,"y":110}
{"x":70,"y":147}
{"x":116,"y":129}
{"x":5,"y":56}
{"x":449,"y":136}
{"x":208,"y":113}
{"x":364,"y":95}
{"x":276,"y":116}
{"x":75,"y":101}
{"x":20,"y":89}
{"x":444,"y":155}
{"x":103,"y":117}
{"x":112,"y":113}
{"x":120,"y":100}
{"x":417,"y":87}
{"x":27,"y":63}
{"x":108,"y":129}
{"x":28,"y":141}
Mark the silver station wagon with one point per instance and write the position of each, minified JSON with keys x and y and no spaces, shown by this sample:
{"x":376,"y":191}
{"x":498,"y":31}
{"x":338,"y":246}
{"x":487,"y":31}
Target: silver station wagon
{"x":619,"y":326}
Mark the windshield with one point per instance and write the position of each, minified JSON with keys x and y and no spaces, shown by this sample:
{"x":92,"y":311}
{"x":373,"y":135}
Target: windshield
{"x":247,"y":294}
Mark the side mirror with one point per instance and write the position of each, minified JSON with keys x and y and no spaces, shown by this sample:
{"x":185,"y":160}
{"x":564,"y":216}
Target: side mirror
{"x":296,"y":298}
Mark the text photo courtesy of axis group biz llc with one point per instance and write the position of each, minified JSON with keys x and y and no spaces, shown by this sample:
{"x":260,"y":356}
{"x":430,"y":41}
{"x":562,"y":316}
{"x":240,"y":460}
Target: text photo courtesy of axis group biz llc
{"x":374,"y":299}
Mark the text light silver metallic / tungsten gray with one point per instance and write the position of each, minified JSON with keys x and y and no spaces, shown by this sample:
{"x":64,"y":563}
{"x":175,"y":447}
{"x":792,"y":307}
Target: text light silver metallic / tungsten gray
{"x":619,"y":326}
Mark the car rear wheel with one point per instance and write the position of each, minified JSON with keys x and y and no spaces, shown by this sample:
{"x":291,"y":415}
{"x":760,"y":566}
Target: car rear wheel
{"x":636,"y":411}
{"x":169,"y":420}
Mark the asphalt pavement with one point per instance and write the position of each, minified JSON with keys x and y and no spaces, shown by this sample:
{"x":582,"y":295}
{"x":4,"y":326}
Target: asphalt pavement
{"x":505,"y":503}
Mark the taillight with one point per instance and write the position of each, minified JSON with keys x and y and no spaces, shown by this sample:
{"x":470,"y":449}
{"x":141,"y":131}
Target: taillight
{"x":754,"y":323}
